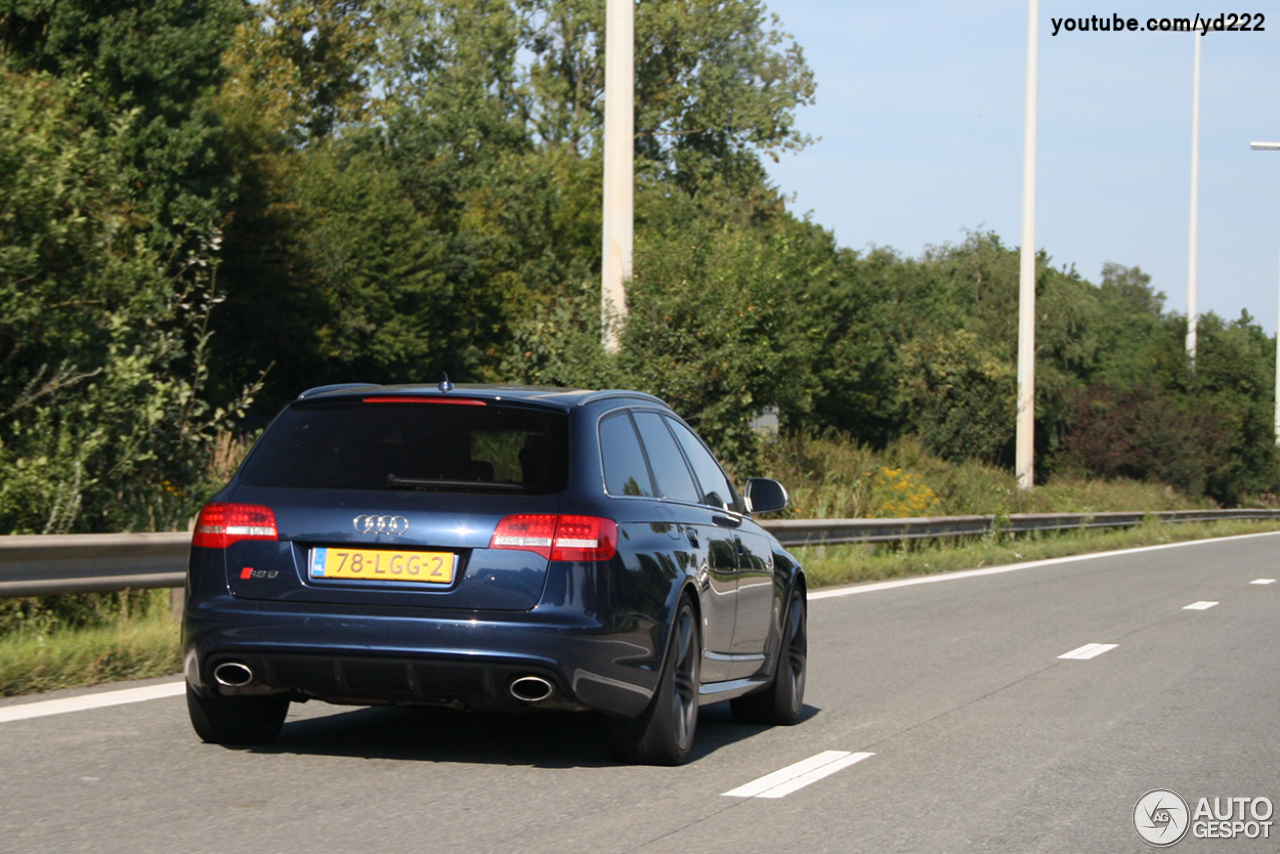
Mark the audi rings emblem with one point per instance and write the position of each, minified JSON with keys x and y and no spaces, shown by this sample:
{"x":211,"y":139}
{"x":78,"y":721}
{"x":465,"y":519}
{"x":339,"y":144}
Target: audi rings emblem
{"x":395,"y":525}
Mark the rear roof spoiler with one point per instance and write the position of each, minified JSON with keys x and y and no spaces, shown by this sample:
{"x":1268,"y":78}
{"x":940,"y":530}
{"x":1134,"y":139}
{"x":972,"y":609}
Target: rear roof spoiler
{"x":320,"y":389}
{"x":609,"y":394}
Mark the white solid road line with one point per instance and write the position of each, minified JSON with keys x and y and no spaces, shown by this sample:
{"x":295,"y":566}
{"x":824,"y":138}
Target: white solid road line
{"x":1199,"y":606}
{"x":794,"y":777}
{"x":1089,"y":650}
{"x":1012,"y":567}
{"x":1263,"y":581}
{"x":90,"y":701}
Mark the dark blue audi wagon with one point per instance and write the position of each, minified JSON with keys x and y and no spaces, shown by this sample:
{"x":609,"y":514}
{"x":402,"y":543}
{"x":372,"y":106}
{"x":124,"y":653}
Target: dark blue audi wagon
{"x":491,"y":547}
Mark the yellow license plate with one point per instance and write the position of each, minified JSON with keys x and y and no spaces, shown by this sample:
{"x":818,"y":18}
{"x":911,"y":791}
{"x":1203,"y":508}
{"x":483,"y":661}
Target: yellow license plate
{"x":374,"y":565}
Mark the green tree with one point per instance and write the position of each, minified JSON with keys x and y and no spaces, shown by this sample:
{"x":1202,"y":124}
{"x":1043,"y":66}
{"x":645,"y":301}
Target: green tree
{"x":158,"y":59}
{"x":868,"y":307}
{"x":720,"y":317}
{"x":102,"y":422}
{"x":295,"y":72}
{"x":303,"y":66}
{"x":961,"y":397}
{"x":717,"y":84}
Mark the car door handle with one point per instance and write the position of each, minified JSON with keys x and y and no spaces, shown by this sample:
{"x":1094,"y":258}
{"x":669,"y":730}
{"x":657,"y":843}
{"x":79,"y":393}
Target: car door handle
{"x":726,"y":521}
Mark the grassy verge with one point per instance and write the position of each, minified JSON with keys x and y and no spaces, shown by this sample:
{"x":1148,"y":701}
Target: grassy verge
{"x":829,"y":565}
{"x":138,"y":647}
{"x":73,"y":658}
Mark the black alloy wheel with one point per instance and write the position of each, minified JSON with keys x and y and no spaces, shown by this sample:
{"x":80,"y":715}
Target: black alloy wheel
{"x":684,"y":706}
{"x":236,"y":720}
{"x":783,"y":701}
{"x":664,"y":733}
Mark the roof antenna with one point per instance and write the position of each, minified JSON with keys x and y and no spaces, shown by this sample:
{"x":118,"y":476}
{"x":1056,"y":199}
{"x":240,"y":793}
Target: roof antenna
{"x":445,"y":385}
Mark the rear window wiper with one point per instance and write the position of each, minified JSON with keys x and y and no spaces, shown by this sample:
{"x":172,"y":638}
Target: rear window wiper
{"x":397,"y":482}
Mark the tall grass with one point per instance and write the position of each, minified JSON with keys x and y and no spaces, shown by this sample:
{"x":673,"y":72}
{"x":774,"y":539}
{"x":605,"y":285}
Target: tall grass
{"x":134,"y":648}
{"x":830,"y":477}
{"x":70,"y":640}
{"x":40,"y":616}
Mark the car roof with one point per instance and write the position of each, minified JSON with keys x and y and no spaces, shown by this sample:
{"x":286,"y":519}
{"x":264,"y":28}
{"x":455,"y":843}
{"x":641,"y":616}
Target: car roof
{"x":550,"y":396}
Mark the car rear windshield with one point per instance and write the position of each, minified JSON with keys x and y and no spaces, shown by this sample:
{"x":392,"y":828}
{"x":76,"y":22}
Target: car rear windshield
{"x":409,"y":445}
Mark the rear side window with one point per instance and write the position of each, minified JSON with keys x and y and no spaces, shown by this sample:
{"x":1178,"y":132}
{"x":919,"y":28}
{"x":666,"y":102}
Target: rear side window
{"x":408,"y":445}
{"x":625,"y":469}
{"x":669,"y":469}
{"x":716,"y":490}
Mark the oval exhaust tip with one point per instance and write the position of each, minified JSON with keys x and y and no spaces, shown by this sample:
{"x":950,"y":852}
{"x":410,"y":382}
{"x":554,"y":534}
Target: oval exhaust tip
{"x":233,"y":674}
{"x":531,"y":689}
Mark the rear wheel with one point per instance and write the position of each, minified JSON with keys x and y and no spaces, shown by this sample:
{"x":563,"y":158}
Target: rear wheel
{"x":783,"y":701}
{"x":663,"y":734}
{"x":236,"y":720}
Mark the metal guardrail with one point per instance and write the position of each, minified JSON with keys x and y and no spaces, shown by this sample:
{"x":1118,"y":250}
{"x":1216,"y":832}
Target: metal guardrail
{"x":814,"y":532}
{"x":82,"y":563}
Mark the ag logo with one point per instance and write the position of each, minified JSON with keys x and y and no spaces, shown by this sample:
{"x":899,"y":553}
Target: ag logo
{"x":1161,"y":818}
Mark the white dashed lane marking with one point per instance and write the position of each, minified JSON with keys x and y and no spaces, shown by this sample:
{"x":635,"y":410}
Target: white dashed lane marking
{"x":44,"y":708}
{"x":1089,"y":650}
{"x":1199,"y":606}
{"x":1263,"y":581}
{"x":794,"y":777}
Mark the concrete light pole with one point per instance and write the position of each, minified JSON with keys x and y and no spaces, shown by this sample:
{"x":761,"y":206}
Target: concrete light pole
{"x":1193,"y":317}
{"x":1273,"y":146}
{"x":1025,"y":442}
{"x":619,"y":166}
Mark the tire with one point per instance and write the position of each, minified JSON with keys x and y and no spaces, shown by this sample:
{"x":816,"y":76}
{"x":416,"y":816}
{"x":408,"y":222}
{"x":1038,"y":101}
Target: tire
{"x":236,"y":720}
{"x":783,"y":701}
{"x":663,"y":734}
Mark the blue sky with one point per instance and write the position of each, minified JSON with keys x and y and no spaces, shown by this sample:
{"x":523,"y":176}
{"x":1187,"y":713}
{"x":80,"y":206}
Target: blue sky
{"x":920,"y":110}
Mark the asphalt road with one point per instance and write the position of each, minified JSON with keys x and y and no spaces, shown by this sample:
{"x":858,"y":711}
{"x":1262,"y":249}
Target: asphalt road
{"x":983,"y":739}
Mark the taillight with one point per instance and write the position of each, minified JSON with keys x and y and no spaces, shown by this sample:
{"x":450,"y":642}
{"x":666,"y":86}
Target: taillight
{"x":526,"y":532}
{"x":220,"y":525}
{"x":585,"y":538}
{"x":558,"y":537}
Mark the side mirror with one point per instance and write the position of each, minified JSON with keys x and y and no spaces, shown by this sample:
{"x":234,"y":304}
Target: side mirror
{"x":765,"y":496}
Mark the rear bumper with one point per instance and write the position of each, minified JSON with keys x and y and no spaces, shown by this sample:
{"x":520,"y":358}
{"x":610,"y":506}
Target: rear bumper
{"x":369,"y":655}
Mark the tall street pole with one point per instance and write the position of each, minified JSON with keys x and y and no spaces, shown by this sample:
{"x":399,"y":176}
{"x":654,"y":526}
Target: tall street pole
{"x":1193,"y":317}
{"x":619,"y":166}
{"x":1273,"y":146}
{"x":1025,"y":443}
